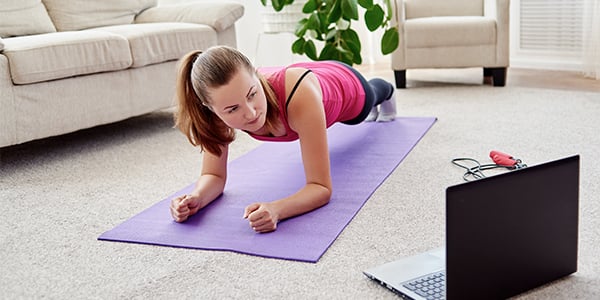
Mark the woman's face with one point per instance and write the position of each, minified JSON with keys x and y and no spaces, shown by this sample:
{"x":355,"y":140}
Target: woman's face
{"x":241,"y":103}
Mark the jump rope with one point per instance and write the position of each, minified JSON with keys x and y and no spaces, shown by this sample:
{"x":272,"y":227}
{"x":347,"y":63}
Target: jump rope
{"x":474,"y":169}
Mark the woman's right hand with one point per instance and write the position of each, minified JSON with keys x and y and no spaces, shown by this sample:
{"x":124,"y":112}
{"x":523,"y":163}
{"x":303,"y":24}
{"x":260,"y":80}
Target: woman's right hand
{"x":184,"y":206}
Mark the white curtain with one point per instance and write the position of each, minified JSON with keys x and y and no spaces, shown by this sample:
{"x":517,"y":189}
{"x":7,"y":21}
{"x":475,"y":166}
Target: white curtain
{"x":591,"y":39}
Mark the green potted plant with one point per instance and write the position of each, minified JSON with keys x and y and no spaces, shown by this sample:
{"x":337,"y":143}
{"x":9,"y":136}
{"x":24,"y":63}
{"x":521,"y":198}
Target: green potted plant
{"x":330,"y":22}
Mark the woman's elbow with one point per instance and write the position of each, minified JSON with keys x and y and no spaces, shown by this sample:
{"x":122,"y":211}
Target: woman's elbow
{"x":327,"y":192}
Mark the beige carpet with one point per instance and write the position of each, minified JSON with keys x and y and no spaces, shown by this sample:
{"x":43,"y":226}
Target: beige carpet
{"x":60,"y":194}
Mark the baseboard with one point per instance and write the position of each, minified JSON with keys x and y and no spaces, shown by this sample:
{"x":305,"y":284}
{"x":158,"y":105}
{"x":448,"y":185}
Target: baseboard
{"x":546,"y":63}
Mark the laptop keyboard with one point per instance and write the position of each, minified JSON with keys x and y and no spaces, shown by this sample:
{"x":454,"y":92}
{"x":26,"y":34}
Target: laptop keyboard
{"x":430,"y":286}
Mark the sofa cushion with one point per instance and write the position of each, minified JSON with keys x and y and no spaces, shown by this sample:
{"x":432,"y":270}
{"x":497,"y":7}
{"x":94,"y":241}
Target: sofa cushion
{"x":23,"y":17}
{"x":219,"y":15}
{"x":450,"y":31}
{"x":83,"y":14}
{"x":434,"y":8}
{"x":64,"y":54}
{"x":153,"y":43}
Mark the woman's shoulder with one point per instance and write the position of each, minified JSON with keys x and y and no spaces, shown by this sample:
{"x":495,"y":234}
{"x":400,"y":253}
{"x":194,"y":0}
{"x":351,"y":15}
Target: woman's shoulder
{"x":299,"y":77}
{"x":295,"y":71}
{"x":284,"y":76}
{"x":295,"y":74}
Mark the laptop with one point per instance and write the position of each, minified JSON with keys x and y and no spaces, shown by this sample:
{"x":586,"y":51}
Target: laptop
{"x":505,"y":234}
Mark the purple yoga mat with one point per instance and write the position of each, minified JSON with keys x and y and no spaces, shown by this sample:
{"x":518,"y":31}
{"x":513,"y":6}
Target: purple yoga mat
{"x":362,"y":156}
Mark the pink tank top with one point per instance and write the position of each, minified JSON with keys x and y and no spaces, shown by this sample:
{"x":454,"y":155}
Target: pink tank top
{"x":343,"y":93}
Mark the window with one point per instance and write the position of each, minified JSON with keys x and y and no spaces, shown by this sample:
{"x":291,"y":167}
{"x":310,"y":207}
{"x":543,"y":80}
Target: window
{"x":547,"y":32}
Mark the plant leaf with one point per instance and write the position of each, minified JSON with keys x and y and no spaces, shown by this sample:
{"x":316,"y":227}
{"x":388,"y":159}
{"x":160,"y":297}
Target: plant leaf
{"x":355,"y":49}
{"x":368,"y":4}
{"x":335,"y":13}
{"x":389,"y":41}
{"x":309,"y":6}
{"x":340,"y":54}
{"x":357,"y":59}
{"x":301,"y":27}
{"x":310,"y":50}
{"x":346,"y":57}
{"x":350,"y":36}
{"x":350,"y":9}
{"x":374,"y":17}
{"x":314,"y":22}
{"x":323,"y":21}
{"x":328,"y":52}
{"x":277,"y":5}
{"x":298,"y":46}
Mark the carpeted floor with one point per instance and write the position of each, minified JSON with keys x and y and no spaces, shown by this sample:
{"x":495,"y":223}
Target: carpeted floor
{"x":60,"y":194}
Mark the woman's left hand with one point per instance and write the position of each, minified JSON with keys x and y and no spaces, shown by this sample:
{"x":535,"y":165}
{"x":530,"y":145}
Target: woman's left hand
{"x":261,"y":217}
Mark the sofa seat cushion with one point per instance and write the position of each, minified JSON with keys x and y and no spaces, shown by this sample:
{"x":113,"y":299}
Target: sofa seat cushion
{"x":64,"y":54}
{"x":23,"y":17}
{"x":450,"y":31}
{"x":152,"y":43}
{"x":82,"y":14}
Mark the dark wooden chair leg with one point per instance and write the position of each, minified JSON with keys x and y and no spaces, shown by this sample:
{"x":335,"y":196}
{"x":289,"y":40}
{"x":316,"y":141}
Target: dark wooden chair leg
{"x":400,"y":76}
{"x":498,"y":76}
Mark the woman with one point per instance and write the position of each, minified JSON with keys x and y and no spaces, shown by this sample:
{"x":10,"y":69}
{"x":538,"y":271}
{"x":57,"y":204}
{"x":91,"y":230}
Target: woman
{"x":219,"y":91}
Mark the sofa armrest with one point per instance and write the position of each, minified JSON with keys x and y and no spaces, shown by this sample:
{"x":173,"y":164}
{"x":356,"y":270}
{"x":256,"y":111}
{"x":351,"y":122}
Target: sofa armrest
{"x":1,"y":45}
{"x":398,"y":19}
{"x":499,"y":10}
{"x":219,"y":15}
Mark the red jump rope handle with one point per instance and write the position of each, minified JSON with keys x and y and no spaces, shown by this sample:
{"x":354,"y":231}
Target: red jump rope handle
{"x":502,"y":159}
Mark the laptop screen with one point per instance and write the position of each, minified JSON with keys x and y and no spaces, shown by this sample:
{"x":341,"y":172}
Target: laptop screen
{"x":512,"y":232}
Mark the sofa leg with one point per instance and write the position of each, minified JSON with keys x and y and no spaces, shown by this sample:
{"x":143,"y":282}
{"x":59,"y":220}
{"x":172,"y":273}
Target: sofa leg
{"x":400,"y":76}
{"x":498,"y":75}
{"x":487,"y":72}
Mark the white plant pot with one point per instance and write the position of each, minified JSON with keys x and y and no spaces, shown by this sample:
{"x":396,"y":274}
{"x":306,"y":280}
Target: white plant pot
{"x":285,"y":20}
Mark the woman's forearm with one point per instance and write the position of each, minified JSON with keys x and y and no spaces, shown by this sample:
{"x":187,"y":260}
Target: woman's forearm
{"x":208,"y":188}
{"x":310,"y":197}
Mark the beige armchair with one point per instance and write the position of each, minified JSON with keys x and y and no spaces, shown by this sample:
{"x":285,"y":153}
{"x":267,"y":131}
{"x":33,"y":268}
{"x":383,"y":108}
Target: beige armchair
{"x":452,"y":34}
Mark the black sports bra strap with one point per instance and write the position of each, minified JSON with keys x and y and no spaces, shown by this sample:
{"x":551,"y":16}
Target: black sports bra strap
{"x":287,"y":102}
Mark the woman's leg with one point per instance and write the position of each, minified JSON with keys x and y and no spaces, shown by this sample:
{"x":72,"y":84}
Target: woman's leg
{"x":382,"y":90}
{"x":377,"y":91}
{"x":384,"y":95}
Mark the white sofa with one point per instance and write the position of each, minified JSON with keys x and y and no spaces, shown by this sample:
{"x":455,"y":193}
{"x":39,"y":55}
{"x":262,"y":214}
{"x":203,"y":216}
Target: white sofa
{"x":67,"y":65}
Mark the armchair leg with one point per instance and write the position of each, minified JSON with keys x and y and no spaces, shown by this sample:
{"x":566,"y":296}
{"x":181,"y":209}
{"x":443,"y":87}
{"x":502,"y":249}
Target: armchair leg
{"x":400,"y":76}
{"x":498,"y":75}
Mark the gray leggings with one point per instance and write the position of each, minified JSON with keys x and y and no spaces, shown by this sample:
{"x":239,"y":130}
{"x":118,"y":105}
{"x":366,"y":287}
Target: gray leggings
{"x":376,"y":91}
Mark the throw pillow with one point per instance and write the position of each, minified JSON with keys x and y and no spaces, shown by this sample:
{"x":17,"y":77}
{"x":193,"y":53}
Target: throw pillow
{"x":24,"y":17}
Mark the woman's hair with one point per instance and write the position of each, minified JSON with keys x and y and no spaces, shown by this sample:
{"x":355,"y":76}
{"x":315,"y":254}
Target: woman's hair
{"x":200,"y":71}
